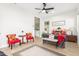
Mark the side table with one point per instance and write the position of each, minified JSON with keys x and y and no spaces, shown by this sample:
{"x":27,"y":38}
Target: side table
{"x":22,"y":36}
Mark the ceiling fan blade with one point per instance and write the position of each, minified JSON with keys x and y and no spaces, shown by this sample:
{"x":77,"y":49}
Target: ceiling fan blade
{"x":48,"y":8}
{"x":38,"y":9}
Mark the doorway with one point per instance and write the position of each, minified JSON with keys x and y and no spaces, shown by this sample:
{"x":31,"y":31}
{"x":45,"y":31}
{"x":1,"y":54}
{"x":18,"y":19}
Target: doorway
{"x":37,"y":27}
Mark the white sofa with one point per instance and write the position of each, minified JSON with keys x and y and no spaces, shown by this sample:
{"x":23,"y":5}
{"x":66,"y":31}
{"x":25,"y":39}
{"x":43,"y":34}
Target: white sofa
{"x":50,"y":39}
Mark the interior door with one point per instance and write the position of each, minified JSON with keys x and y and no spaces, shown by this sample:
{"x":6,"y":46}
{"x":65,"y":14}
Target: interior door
{"x":37,"y":26}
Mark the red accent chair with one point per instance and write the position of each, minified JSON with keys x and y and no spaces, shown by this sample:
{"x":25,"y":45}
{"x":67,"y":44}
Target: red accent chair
{"x":29,"y":37}
{"x":12,"y":40}
{"x":61,"y":40}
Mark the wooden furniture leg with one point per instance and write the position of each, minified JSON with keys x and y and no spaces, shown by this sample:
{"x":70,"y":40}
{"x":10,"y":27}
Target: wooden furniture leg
{"x":33,"y":39}
{"x":11,"y":46}
{"x":20,"y":43}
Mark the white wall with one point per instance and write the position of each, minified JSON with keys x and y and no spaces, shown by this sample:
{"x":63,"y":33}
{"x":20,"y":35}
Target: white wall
{"x":12,"y":20}
{"x":78,"y":29}
{"x":42,"y":19}
{"x":78,"y":25}
{"x":69,"y":21}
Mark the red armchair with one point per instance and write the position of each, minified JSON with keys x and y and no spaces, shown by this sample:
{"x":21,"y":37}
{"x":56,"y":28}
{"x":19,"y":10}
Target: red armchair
{"x":12,"y":40}
{"x":29,"y":37}
{"x":61,"y":40}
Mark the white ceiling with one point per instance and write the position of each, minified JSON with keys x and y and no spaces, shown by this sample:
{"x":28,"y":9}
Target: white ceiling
{"x":58,"y":7}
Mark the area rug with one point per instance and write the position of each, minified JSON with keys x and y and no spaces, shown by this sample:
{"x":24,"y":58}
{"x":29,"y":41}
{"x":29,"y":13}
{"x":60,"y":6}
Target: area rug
{"x":36,"y":51}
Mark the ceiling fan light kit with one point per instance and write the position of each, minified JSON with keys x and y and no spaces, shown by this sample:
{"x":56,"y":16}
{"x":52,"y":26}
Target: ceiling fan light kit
{"x":43,"y":11}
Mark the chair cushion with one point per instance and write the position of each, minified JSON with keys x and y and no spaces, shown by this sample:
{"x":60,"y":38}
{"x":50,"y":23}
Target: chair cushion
{"x":29,"y":36}
{"x":13,"y":36}
{"x":14,"y":41}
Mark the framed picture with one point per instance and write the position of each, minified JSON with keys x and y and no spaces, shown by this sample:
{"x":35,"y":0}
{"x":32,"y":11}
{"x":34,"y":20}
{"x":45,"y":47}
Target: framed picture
{"x":58,"y":23}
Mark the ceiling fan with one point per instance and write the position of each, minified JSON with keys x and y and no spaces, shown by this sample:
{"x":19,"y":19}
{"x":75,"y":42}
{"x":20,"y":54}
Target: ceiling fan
{"x":44,"y":9}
